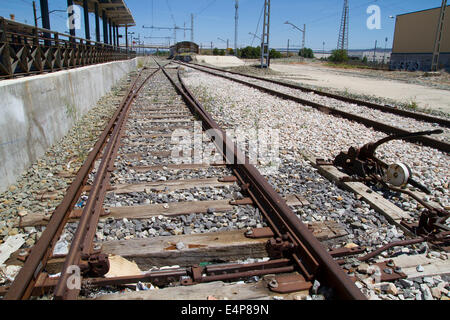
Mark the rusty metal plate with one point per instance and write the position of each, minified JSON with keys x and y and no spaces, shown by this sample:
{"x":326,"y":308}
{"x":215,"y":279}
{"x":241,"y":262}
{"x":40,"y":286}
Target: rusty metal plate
{"x":289,"y":283}
{"x":228,"y":179}
{"x":386,"y":277}
{"x":242,"y":202}
{"x":259,"y":233}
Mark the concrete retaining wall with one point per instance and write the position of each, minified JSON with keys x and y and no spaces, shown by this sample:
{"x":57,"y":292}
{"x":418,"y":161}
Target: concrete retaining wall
{"x":37,"y":111}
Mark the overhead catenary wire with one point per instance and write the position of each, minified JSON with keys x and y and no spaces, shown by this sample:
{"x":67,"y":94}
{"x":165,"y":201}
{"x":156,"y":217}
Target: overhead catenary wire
{"x":205,"y":8}
{"x":171,"y":12}
{"x":257,"y":26}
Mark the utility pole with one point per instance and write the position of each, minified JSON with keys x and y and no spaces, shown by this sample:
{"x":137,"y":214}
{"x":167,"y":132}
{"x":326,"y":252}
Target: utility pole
{"x":139,"y":49}
{"x":126,"y":37}
{"x":265,"y":40}
{"x":303,"y":31}
{"x":437,"y":42}
{"x":192,"y":27}
{"x":375,"y":52}
{"x":385,"y":48}
{"x":35,"y":14}
{"x":45,"y":20}
{"x":304,"y":37}
{"x":175,"y":33}
{"x":236,"y":23}
{"x":227,"y":42}
{"x":288,"y":48}
{"x":131,"y":35}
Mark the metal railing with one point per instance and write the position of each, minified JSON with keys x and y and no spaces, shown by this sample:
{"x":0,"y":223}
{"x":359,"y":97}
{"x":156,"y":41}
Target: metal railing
{"x":26,"y":50}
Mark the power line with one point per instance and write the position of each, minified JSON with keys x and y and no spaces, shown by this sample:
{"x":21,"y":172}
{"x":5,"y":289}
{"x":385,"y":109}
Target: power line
{"x":335,"y":14}
{"x":205,"y":8}
{"x":257,"y":26}
{"x":171,"y":13}
{"x":302,"y":31}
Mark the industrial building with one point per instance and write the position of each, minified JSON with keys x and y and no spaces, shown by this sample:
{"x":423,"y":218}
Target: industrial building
{"x":415,"y":38}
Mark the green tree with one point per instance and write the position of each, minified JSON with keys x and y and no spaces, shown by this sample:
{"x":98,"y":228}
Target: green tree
{"x":339,"y":56}
{"x":274,"y":54}
{"x":216,"y":52}
{"x":162,"y":53}
{"x":250,"y":52}
{"x":306,"y":53}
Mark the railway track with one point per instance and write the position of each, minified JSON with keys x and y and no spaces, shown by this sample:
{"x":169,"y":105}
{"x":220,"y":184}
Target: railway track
{"x":380,"y":201}
{"x":368,"y":114}
{"x":128,"y":186}
{"x":413,"y":115}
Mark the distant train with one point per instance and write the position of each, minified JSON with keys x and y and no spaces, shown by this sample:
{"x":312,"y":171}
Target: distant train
{"x":183,"y":50}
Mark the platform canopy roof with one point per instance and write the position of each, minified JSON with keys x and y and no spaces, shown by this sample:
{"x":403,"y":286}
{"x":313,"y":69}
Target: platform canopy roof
{"x":116,"y":10}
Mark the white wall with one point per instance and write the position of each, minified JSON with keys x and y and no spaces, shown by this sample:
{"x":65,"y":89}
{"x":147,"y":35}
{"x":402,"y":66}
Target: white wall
{"x":37,"y":111}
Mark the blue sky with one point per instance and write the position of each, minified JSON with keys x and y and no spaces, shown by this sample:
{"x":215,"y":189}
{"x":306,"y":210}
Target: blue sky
{"x":215,"y":18}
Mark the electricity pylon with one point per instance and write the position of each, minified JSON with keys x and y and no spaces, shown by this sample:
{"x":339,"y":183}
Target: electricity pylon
{"x":437,"y":43}
{"x":343,"y":31}
{"x":265,"y":49}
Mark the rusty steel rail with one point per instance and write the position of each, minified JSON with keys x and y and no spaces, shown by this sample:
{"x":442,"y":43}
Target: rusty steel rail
{"x":293,"y":247}
{"x":403,"y":243}
{"x":401,"y":112}
{"x":81,"y":246}
{"x":24,"y":283}
{"x":187,"y":276}
{"x":426,"y":141}
{"x":293,"y":237}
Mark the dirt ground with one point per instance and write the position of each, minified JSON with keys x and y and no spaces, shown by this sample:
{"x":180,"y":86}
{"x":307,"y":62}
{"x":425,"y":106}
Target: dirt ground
{"x":417,"y":88}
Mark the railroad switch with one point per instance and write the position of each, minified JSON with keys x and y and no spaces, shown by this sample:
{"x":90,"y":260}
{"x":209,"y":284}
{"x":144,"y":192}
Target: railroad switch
{"x":277,"y":247}
{"x":95,"y":265}
{"x":363,"y":163}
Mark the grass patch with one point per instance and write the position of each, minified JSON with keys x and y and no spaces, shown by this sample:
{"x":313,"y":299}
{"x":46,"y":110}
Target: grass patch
{"x":412,"y":105}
